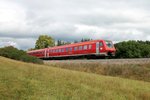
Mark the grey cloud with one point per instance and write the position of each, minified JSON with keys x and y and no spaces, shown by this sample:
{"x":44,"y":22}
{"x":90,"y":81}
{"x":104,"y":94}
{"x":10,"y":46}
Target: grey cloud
{"x":70,"y":20}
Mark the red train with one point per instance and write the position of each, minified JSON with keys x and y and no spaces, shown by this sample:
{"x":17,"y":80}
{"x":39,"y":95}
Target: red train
{"x":89,"y":49}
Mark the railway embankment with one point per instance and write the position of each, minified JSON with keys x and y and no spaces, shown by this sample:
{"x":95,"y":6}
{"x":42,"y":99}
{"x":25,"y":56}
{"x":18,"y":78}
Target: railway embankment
{"x":138,"y":69}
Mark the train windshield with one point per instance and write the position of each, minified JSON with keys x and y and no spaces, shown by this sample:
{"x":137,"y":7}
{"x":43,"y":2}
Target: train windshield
{"x":109,"y":44}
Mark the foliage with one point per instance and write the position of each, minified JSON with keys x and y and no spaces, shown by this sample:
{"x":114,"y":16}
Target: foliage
{"x":30,"y":49}
{"x":24,"y":81}
{"x":86,"y":39}
{"x":44,"y":41}
{"x":14,"y":53}
{"x":83,"y":40}
{"x":133,"y":49}
{"x":60,"y":42}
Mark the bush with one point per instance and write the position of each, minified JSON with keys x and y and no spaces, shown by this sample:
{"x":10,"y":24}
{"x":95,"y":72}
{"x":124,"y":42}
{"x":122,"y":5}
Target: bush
{"x":133,"y":49}
{"x":14,"y":53}
{"x":27,"y":58}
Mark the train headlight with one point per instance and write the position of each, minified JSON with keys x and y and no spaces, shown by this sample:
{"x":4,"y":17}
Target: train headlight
{"x":101,"y":48}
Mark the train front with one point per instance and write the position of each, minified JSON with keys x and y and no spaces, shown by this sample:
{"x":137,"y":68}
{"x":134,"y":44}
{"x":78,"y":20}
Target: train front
{"x":110,"y":49}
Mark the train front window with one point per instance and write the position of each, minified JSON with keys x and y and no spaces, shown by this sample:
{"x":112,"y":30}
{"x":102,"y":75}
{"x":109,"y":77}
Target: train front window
{"x":109,"y":44}
{"x":100,"y":44}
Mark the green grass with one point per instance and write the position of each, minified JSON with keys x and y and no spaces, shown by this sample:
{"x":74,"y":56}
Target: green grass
{"x":25,"y":81}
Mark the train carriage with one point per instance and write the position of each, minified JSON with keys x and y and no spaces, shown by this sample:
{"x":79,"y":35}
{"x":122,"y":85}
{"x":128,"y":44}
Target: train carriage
{"x":89,"y":49}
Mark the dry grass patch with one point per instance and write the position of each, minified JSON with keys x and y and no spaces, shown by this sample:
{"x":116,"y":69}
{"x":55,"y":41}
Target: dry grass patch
{"x":131,"y":71}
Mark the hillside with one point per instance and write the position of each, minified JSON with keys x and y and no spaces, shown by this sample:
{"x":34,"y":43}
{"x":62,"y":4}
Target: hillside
{"x":20,"y":81}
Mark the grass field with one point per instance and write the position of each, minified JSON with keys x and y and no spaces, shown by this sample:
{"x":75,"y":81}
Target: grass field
{"x":25,"y":81}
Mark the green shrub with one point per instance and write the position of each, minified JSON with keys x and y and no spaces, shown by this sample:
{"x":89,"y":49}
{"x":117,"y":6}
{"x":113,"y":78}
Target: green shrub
{"x":133,"y":49}
{"x":27,"y":58}
{"x":14,"y":53}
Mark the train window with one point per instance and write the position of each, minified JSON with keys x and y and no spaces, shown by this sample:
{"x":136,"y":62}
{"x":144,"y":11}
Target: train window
{"x":80,"y":47}
{"x":109,"y":44}
{"x":66,"y":49}
{"x":59,"y":50}
{"x":100,"y":44}
{"x":63,"y":50}
{"x":70,"y":49}
{"x":85,"y":47}
{"x":75,"y":48}
{"x":90,"y":46}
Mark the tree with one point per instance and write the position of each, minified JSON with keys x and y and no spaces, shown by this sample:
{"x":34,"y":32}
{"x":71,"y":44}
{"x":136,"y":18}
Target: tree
{"x":75,"y":41}
{"x":86,"y":39}
{"x":133,"y":49}
{"x":44,"y":41}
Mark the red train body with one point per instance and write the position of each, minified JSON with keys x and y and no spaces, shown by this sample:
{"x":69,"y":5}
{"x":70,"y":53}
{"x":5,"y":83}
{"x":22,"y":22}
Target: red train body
{"x":96,"y":48}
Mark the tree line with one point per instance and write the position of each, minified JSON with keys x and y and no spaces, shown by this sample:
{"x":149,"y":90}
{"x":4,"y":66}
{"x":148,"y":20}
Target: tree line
{"x":125,"y":49}
{"x":45,"y":41}
{"x":133,"y":49}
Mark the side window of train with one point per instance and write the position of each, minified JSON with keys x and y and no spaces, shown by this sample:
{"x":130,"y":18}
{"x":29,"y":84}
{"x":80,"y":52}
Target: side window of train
{"x":60,"y":50}
{"x":80,"y":47}
{"x":100,"y":44}
{"x":70,"y":49}
{"x":75,"y":48}
{"x":66,"y":49}
{"x":90,"y":46}
{"x":85,"y":47}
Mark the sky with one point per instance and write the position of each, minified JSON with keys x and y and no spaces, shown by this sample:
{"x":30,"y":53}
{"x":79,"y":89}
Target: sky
{"x":22,"y":21}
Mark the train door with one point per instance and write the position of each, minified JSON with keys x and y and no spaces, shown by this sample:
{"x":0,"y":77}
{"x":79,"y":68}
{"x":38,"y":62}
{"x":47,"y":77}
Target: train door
{"x":97,"y":47}
{"x":45,"y":53}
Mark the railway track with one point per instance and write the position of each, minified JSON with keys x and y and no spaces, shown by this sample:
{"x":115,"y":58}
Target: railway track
{"x":103,"y":61}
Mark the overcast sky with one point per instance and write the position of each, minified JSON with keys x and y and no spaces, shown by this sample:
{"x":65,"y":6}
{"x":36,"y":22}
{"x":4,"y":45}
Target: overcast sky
{"x":22,"y":21}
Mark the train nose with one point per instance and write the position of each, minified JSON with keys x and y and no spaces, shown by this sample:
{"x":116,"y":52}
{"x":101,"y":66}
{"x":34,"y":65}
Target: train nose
{"x":111,"y":53}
